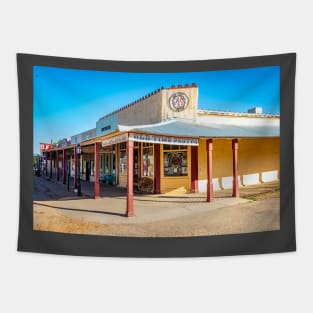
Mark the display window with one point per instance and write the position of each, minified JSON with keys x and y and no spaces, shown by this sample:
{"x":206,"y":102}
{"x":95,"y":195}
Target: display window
{"x":92,"y":168}
{"x":123,"y":159}
{"x":147,"y":159}
{"x":175,"y":160}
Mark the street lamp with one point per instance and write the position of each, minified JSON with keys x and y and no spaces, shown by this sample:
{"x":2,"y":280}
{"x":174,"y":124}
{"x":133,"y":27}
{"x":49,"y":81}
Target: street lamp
{"x":78,"y":151}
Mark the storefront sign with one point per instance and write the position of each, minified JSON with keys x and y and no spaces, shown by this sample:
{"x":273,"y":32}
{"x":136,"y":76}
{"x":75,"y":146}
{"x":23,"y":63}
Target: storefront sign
{"x":45,"y":146}
{"x":178,"y":101}
{"x":164,"y":139}
{"x":114,"y":140}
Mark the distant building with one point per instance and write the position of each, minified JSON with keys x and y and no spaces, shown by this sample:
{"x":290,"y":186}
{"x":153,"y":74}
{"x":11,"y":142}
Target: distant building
{"x":63,"y":143}
{"x":256,"y":110}
{"x":91,"y":133}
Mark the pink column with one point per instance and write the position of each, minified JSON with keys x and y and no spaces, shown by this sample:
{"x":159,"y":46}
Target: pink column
{"x":76,"y":168}
{"x":130,"y":177}
{"x":64,"y":168}
{"x":97,"y":171}
{"x":209,"y":146}
{"x":57,"y":165}
{"x":194,"y":169}
{"x":157,"y":178}
{"x":50,"y":175}
{"x":235,"y":168}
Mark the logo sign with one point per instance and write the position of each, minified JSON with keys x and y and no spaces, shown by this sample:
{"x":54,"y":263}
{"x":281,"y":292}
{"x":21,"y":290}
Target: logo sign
{"x":178,"y":101}
{"x":45,"y":146}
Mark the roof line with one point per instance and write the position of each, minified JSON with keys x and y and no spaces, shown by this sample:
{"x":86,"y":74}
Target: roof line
{"x":179,"y":86}
{"x":217,"y":112}
{"x":130,"y":127}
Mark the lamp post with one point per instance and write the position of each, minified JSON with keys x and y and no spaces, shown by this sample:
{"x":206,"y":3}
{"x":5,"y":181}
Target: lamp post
{"x":79,"y":151}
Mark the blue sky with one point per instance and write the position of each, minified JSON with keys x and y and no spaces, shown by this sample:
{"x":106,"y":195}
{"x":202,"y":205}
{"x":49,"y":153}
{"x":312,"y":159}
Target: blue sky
{"x":69,"y":101}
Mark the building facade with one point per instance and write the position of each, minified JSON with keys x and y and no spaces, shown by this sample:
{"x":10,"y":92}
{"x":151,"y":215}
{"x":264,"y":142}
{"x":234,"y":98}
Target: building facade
{"x":162,"y":143}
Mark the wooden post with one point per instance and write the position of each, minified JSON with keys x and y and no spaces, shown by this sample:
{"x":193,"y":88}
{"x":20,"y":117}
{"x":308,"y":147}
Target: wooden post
{"x":97,"y":171}
{"x":46,"y":163}
{"x":157,"y":174}
{"x":64,"y":168}
{"x":50,"y":174}
{"x":57,"y":165}
{"x":235,"y":168}
{"x":76,"y":168}
{"x":209,"y":145}
{"x":130,"y":178}
{"x":68,"y":174}
{"x":194,"y":169}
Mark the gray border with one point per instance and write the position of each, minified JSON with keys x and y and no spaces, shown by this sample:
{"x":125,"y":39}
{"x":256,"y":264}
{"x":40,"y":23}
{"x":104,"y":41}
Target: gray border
{"x":90,"y":245}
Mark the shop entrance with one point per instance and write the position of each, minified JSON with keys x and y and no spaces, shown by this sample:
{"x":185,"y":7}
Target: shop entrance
{"x":108,"y":168}
{"x":87,"y":170}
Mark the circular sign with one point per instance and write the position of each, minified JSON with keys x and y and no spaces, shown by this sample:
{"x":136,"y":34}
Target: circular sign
{"x":178,"y":101}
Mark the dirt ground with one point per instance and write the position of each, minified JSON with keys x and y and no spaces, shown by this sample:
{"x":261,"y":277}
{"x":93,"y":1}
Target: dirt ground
{"x":261,"y":213}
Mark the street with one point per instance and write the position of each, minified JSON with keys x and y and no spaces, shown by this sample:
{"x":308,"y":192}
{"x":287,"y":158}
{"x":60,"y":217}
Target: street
{"x":56,"y":209}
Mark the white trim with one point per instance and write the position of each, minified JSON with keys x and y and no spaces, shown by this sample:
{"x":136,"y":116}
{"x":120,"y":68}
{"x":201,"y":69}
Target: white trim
{"x":202,"y":184}
{"x":132,"y":127}
{"x":208,"y":120}
{"x":251,"y":179}
{"x":269,"y":176}
{"x":114,"y":140}
{"x":164,"y":139}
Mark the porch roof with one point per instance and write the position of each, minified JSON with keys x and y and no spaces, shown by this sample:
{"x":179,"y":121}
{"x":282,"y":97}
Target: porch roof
{"x":189,"y":128}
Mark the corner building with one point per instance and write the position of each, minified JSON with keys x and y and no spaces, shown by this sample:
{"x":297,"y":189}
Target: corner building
{"x":162,"y":143}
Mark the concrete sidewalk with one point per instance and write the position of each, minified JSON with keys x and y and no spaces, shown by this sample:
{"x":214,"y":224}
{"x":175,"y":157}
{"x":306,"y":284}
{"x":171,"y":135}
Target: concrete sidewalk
{"x":55,"y":190}
{"x":110,"y":209}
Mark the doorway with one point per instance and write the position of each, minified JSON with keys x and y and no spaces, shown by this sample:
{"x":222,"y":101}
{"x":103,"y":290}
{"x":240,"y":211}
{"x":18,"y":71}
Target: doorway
{"x":108,"y":168}
{"x":87,"y":170}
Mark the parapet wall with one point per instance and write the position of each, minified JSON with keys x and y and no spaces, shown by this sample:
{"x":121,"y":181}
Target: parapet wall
{"x":152,"y":108}
{"x":146,"y":110}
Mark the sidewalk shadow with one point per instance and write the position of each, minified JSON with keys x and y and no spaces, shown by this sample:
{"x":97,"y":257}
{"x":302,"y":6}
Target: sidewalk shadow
{"x":80,"y":210}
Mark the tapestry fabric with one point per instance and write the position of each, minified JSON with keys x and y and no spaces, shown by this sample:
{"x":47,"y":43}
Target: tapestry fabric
{"x":156,"y":159}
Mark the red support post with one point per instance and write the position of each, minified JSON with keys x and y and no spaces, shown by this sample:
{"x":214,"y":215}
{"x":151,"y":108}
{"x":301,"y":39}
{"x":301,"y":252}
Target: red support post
{"x":50,"y":174}
{"x":46,"y":163}
{"x":97,"y":171}
{"x":209,"y":146}
{"x":157,"y":178}
{"x":194,"y":169}
{"x":76,"y":169}
{"x":130,"y":177}
{"x":235,"y":168}
{"x":64,"y":168}
{"x":57,"y":165}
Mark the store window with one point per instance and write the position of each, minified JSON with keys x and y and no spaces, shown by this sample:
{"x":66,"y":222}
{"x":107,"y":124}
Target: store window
{"x":92,"y":168}
{"x":123,"y":159}
{"x":147,"y":159}
{"x":175,"y":160}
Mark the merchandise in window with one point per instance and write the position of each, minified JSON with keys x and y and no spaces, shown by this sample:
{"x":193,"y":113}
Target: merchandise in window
{"x":147,"y":159}
{"x":123,"y":159}
{"x":175,"y":161}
